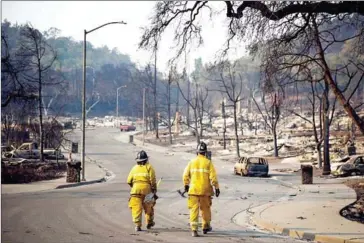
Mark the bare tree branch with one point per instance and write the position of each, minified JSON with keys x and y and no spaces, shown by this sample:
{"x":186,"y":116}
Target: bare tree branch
{"x":295,"y":7}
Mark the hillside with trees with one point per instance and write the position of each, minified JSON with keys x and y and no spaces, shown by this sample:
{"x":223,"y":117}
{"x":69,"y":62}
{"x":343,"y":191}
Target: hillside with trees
{"x":106,"y":71}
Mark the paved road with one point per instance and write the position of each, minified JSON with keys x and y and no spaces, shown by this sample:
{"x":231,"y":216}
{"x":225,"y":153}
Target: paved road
{"x":99,"y":213}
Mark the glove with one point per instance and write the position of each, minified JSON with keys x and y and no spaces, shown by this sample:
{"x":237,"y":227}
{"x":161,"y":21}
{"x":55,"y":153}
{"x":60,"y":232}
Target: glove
{"x":155,"y":197}
{"x":131,"y":184}
{"x":187,"y":187}
{"x":217,"y":192}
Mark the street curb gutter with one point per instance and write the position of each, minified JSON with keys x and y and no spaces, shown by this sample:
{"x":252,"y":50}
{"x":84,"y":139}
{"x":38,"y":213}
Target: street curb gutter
{"x":83,"y":183}
{"x":301,"y":235}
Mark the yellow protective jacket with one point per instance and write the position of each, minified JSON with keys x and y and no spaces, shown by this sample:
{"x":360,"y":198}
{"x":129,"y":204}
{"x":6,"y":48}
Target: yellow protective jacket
{"x":200,"y":175}
{"x":142,"y":177}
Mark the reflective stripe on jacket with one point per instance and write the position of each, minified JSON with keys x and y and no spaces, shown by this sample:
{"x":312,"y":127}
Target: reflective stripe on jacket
{"x":200,"y":174}
{"x":143,"y":179}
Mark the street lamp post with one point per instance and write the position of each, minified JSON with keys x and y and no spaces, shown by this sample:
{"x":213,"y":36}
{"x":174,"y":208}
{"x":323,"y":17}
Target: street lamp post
{"x":84,"y":95}
{"x":143,"y":115}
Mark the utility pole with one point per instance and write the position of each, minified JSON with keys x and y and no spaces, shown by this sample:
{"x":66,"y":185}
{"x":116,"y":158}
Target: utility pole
{"x":169,"y":106}
{"x":155,"y":92}
{"x":188,"y":98}
{"x":224,"y":117}
{"x":143,"y":115}
{"x":188,"y":91}
{"x":83,"y":108}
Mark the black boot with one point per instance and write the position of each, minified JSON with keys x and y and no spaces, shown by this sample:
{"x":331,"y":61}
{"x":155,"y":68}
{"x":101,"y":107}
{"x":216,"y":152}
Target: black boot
{"x":150,"y":225}
{"x":207,"y":230}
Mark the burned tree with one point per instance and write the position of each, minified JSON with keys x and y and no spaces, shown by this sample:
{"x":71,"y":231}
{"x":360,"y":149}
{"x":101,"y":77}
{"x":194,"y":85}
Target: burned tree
{"x":41,"y":55}
{"x":197,"y":102}
{"x":141,"y":79}
{"x":259,"y":22}
{"x":168,"y":83}
{"x":241,"y":15}
{"x":311,"y":46}
{"x":319,"y":102}
{"x":13,"y":86}
{"x":230,"y":84}
{"x":270,"y":111}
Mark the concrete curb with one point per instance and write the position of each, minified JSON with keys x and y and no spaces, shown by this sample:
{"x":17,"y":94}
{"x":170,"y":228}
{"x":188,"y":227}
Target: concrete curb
{"x":286,"y":184}
{"x":83,"y":183}
{"x":108,"y":173}
{"x":262,"y":224}
{"x":108,"y":176}
{"x":256,"y":221}
{"x":301,"y":235}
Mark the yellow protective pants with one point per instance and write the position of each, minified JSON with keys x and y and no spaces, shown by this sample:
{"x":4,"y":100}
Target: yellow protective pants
{"x":136,"y":204}
{"x":196,"y":203}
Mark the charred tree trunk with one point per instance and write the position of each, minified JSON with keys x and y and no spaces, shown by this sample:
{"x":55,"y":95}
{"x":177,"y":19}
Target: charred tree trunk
{"x":188,"y":98}
{"x":318,"y":139}
{"x":177,"y":102}
{"x":275,"y":118}
{"x":241,"y":126}
{"x":169,"y":112}
{"x":330,"y":81}
{"x":196,"y":125}
{"x":41,"y":137}
{"x":319,"y":154}
{"x":275,"y":143}
{"x":197,"y":113}
{"x":201,"y":113}
{"x":201,"y":128}
{"x":224,"y":126}
{"x":236,"y":131}
{"x":326,"y":120}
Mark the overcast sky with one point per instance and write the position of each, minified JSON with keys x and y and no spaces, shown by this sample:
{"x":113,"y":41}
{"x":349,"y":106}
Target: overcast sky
{"x":72,"y":17}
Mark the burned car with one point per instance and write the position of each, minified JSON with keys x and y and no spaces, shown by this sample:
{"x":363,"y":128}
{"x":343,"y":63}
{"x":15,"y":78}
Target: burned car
{"x":251,"y":166}
{"x":31,"y":151}
{"x":352,"y":167}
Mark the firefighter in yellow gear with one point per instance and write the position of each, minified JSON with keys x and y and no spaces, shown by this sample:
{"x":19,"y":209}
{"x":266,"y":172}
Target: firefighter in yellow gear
{"x":199,"y":178}
{"x":142,"y":181}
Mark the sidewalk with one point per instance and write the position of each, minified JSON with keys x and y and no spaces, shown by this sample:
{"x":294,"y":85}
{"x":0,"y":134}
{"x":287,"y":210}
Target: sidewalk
{"x":93,"y":174}
{"x":313,"y":214}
